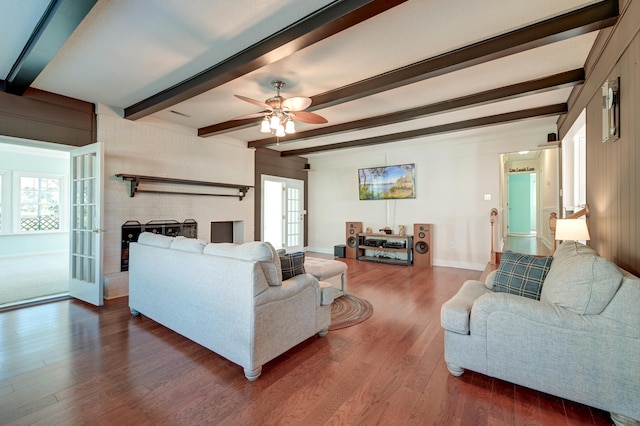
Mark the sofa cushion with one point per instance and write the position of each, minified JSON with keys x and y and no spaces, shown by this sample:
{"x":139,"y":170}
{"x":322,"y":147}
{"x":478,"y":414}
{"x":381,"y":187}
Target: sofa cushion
{"x":256,"y":251}
{"x":582,"y":283}
{"x":521,"y":274}
{"x":188,"y":244}
{"x":569,"y":249}
{"x":156,"y":240}
{"x":292,"y":264}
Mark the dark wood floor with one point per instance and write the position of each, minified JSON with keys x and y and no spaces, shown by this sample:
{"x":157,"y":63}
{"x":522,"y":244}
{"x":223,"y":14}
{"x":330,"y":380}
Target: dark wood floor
{"x":66,"y":363}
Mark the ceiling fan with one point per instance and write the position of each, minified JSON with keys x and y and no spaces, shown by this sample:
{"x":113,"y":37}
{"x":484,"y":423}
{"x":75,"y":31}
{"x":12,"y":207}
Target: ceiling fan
{"x":280,"y":113}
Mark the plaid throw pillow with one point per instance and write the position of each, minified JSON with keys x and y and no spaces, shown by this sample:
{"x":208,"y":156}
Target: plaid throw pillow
{"x":292,"y":265}
{"x":521,"y":274}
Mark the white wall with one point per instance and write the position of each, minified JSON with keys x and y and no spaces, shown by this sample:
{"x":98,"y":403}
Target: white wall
{"x":155,"y":148}
{"x":453,"y":172}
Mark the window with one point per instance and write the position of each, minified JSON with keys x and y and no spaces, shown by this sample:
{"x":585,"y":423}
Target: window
{"x":40,"y":203}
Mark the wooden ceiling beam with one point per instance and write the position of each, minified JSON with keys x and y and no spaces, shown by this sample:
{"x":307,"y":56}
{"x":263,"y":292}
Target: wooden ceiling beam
{"x":325,"y":22}
{"x":578,"y":22}
{"x":553,"y":82}
{"x":474,"y":123}
{"x":56,"y":25}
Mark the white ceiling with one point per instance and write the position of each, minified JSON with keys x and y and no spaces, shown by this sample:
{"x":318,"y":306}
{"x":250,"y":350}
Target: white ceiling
{"x":126,"y":51}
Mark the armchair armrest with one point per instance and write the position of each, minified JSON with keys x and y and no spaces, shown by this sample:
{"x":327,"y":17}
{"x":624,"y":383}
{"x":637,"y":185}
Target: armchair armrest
{"x":454,"y":314}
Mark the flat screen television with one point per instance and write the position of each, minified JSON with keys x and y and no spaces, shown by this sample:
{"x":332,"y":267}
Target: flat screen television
{"x":387,"y":182}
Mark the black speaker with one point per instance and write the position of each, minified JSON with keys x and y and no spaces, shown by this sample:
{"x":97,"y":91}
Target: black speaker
{"x":422,"y":248}
{"x":353,"y":229}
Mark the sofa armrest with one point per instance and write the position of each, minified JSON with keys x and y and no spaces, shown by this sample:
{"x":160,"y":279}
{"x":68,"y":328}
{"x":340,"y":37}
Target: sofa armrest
{"x":454,"y":314}
{"x":289,"y":288}
{"x":543,"y":313}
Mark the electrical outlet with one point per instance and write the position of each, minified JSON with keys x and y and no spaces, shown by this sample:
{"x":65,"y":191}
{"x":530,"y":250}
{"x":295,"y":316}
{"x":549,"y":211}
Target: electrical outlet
{"x":487,"y":197}
{"x":451,"y":245}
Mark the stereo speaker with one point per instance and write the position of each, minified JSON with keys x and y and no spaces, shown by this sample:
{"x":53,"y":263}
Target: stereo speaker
{"x":353,"y":229}
{"x":422,"y":247}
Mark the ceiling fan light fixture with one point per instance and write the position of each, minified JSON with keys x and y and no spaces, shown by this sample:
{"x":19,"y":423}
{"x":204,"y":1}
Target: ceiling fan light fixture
{"x":279,"y":114}
{"x":264,"y":126}
{"x":290,"y":127}
{"x":275,"y":122}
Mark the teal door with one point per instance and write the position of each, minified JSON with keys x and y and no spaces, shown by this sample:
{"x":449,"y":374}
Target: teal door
{"x":520,"y":203}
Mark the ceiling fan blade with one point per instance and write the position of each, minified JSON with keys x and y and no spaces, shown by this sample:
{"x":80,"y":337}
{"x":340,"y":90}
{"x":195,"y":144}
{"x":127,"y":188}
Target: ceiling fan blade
{"x":297,"y":104}
{"x":256,"y":115}
{"x":253,"y":101}
{"x":308,"y":117}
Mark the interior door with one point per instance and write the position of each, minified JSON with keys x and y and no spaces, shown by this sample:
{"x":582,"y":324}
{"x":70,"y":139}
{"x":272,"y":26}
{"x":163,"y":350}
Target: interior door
{"x":283,"y":212}
{"x":519,"y":203}
{"x":85,"y":247}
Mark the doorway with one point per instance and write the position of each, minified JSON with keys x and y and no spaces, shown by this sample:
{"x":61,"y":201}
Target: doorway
{"x":530,"y":188}
{"x":522,"y":204}
{"x":283,"y":212}
{"x":34,"y":217}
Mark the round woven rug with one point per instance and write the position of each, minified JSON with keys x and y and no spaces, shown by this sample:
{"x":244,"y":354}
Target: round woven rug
{"x":349,"y":310}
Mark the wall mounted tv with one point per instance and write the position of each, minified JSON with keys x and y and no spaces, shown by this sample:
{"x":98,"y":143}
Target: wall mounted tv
{"x":387,"y":182}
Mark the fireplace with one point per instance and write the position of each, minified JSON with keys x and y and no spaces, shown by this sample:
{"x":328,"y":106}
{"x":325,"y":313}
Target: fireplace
{"x":227,"y":231}
{"x":132,"y":229}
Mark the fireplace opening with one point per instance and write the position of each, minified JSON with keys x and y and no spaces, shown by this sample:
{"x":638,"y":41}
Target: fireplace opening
{"x":227,"y":232}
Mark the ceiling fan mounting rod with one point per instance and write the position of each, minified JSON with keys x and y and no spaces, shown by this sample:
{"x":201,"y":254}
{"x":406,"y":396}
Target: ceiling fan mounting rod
{"x":278,"y":84}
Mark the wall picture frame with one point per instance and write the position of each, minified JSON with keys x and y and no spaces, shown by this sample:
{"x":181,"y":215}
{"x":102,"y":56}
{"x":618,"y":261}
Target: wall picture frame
{"x":387,"y":182}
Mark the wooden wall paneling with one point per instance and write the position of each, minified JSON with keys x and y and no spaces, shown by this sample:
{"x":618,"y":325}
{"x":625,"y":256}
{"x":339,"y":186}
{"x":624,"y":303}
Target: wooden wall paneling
{"x":612,"y":169}
{"x":48,"y":117}
{"x":634,"y":156}
{"x":623,"y":255}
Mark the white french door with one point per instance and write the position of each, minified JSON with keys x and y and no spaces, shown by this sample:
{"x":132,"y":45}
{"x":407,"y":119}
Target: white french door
{"x":85,"y":247}
{"x":283,"y":212}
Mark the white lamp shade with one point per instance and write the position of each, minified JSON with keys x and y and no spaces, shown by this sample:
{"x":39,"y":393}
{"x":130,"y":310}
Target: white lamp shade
{"x":572,"y":229}
{"x":290,"y":127}
{"x":275,"y":122}
{"x":264,"y":126}
{"x":280,"y":131}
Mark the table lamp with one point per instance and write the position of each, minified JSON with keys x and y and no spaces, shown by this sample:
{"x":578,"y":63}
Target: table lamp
{"x":572,"y":229}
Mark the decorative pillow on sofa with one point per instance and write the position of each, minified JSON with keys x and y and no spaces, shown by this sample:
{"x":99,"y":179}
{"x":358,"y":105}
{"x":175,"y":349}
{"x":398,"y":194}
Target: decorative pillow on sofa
{"x":292,"y":264}
{"x":521,"y":274}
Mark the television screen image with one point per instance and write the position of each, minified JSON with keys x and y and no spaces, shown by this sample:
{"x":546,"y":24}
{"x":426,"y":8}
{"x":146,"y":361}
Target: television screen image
{"x":387,"y":182}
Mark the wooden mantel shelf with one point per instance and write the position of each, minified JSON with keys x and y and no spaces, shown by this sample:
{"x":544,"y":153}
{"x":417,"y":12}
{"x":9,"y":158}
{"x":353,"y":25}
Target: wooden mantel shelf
{"x":135,"y":181}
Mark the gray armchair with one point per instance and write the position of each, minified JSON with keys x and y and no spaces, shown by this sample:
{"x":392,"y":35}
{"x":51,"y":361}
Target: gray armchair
{"x":580,"y":341}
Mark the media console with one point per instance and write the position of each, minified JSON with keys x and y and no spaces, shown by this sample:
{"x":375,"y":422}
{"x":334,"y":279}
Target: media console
{"x":385,"y":248}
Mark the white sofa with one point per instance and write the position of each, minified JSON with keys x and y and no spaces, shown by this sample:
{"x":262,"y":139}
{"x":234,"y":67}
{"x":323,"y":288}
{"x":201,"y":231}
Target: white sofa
{"x":229,"y":298}
{"x":579,"y":341}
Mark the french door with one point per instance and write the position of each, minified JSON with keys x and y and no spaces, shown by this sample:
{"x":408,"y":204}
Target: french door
{"x":283,"y":212}
{"x":85,"y":247}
